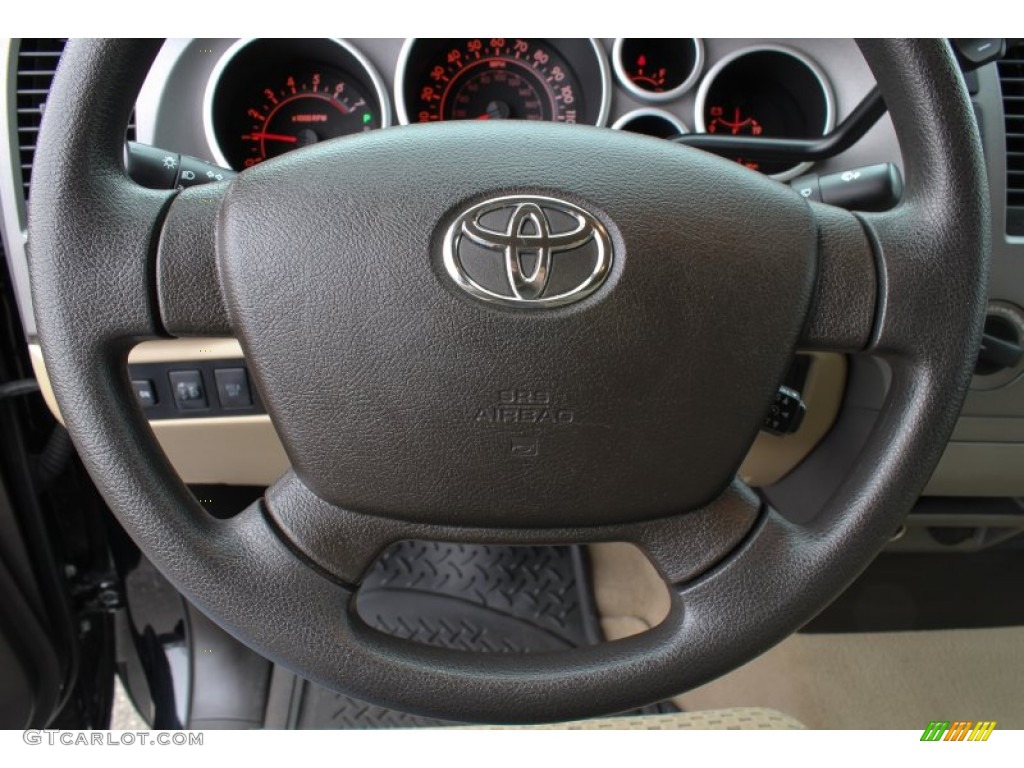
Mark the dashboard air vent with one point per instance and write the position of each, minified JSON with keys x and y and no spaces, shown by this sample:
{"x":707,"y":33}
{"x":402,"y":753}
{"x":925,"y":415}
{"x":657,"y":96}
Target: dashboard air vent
{"x":37,"y":63}
{"x":1011,"y":76}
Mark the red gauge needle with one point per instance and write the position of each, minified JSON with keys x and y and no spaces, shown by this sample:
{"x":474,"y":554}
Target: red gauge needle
{"x":274,"y":137}
{"x":740,"y":123}
{"x":496,"y":110}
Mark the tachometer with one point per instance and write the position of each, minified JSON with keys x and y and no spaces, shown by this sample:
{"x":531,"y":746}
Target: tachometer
{"x":268,"y":97}
{"x":303,"y":109}
{"x":502,"y":79}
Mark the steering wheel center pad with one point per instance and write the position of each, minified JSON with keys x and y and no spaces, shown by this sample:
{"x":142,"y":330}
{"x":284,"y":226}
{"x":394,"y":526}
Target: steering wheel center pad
{"x":399,"y":394}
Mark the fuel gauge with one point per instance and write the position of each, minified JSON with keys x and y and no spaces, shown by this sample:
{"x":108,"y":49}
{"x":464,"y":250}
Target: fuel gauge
{"x":659,"y":68}
{"x":770,"y":91}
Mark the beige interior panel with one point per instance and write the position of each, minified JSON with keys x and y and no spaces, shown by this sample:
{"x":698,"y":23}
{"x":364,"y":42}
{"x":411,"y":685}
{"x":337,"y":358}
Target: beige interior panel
{"x":245,"y":450}
{"x":888,"y":680}
{"x":175,"y":350}
{"x":236,"y":450}
{"x":35,"y":354}
{"x":159,"y":351}
{"x":855,"y":680}
{"x":630,"y":595}
{"x":771,"y":458}
{"x":737,"y":719}
{"x":979,"y":469}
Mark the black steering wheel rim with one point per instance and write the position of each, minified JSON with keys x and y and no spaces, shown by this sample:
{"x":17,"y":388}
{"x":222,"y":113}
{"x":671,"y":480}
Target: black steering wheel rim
{"x":113,"y":264}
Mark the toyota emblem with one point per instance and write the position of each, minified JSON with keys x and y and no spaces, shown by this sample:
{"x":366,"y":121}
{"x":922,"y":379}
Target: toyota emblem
{"x":527,"y":251}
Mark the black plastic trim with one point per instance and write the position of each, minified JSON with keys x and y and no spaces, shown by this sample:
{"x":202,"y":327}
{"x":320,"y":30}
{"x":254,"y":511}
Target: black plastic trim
{"x":165,"y":407}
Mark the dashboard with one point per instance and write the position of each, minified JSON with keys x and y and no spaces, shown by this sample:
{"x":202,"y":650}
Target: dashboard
{"x":241,"y":102}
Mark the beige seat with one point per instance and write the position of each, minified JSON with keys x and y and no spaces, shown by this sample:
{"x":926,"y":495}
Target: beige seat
{"x":735,"y":719}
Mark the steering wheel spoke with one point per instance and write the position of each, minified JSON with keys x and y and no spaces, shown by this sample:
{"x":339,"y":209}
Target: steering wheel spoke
{"x":686,"y":546}
{"x":187,"y":281}
{"x":343,"y":544}
{"x":841,"y":317}
{"x":916,"y":288}
{"x":877,"y":280}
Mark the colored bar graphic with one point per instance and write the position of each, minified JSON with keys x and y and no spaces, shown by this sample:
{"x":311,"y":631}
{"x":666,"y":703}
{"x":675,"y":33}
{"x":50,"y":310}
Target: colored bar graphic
{"x":982,"y":731}
{"x":958,"y":730}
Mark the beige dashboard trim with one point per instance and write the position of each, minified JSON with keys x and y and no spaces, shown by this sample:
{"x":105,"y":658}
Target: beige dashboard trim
{"x":35,"y":354}
{"x":161,"y":351}
{"x":236,"y":450}
{"x":174,"y":350}
{"x":979,"y":469}
{"x":245,"y":450}
{"x":771,"y":458}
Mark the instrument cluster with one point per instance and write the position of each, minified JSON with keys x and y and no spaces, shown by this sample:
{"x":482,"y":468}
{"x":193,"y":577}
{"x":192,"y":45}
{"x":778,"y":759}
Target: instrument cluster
{"x":266,"y":97}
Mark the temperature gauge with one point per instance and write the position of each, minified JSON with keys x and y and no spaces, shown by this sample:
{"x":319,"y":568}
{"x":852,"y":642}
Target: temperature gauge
{"x":735,"y":122}
{"x":768,"y":91}
{"x":658,"y":69}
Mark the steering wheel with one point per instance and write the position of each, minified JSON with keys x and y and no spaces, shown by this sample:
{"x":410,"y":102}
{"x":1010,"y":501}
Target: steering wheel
{"x":414,"y":408}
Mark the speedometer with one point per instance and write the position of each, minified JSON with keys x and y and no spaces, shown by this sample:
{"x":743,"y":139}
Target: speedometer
{"x":502,"y":79}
